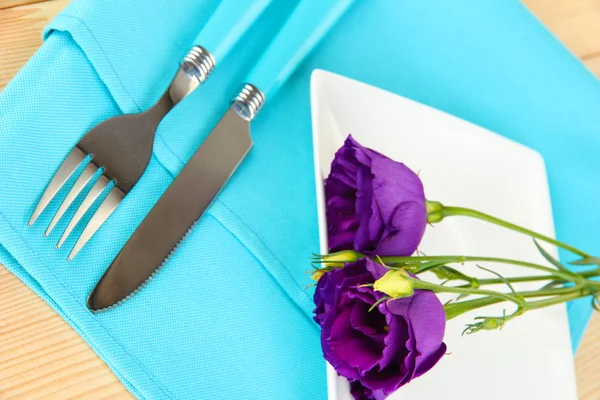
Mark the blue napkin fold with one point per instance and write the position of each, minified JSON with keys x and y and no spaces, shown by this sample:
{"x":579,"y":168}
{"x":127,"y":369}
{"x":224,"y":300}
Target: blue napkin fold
{"x":229,"y":316}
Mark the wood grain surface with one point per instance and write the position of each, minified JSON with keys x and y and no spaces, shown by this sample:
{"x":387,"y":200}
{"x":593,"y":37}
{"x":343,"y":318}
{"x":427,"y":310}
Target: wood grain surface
{"x":41,"y":357}
{"x":15,"y":3}
{"x":21,"y":33}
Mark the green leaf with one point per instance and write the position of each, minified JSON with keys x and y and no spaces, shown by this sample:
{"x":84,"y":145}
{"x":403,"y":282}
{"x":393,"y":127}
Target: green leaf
{"x":451,"y":274}
{"x":587,"y":261}
{"x":429,"y":265}
{"x":512,"y":289}
{"x":551,"y":259}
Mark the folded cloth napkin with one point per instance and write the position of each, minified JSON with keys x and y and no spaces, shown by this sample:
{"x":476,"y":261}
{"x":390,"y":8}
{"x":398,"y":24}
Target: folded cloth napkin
{"x":229,"y":317}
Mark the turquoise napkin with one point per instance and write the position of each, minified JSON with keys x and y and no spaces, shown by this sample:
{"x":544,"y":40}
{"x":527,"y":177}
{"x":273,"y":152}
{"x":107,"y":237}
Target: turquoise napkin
{"x":229,"y":316}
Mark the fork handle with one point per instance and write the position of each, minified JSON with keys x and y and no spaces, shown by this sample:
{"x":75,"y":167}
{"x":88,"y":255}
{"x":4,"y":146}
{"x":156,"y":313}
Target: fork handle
{"x":306,"y":26}
{"x":228,"y":23}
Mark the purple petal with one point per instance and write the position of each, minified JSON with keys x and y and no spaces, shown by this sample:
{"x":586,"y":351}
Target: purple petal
{"x":396,"y":367}
{"x":376,"y":269}
{"x":376,"y":224}
{"x":327,"y":293}
{"x":428,"y":322}
{"x":352,"y":347}
{"x":341,"y":241}
{"x":364,"y":212}
{"x":360,"y":392}
{"x":409,"y":222}
{"x":333,"y":356}
{"x":371,"y":324}
{"x":395,"y":341}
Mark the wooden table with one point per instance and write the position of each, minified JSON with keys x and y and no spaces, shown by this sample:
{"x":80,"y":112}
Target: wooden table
{"x":41,"y":357}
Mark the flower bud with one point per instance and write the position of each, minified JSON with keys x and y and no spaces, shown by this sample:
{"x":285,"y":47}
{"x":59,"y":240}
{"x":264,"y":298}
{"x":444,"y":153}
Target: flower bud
{"x":492,"y":323}
{"x":337,"y":260}
{"x":435,"y":211}
{"x":317,"y":274}
{"x":394,"y":284}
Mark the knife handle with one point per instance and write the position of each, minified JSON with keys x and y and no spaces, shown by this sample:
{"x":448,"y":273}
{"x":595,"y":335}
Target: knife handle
{"x":306,"y":26}
{"x":228,"y":23}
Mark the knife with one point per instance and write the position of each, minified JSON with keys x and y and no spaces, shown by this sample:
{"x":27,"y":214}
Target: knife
{"x":201,"y":179}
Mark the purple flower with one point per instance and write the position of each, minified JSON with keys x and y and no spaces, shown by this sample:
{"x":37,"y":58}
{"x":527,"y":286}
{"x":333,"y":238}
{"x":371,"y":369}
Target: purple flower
{"x":375,"y":205}
{"x":383,"y":349}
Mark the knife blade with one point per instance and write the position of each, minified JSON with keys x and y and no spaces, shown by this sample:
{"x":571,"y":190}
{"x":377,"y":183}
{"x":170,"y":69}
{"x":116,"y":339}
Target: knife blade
{"x":206,"y":173}
{"x":183,"y":203}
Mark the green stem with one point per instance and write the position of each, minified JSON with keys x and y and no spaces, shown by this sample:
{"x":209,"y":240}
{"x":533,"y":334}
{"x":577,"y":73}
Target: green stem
{"x":516,"y":279}
{"x":572,"y":277}
{"x":556,"y":300}
{"x":467,"y":212}
{"x":455,"y":309}
{"x":419,"y":284}
{"x":591,"y":274}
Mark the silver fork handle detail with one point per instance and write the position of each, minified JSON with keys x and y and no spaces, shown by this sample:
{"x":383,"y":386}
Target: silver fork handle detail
{"x":198,"y":64}
{"x":249,"y":102}
{"x":194,"y":70}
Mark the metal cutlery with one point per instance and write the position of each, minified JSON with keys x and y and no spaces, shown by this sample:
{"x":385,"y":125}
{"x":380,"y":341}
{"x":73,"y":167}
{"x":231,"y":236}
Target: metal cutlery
{"x":121,"y":147}
{"x":201,"y":179}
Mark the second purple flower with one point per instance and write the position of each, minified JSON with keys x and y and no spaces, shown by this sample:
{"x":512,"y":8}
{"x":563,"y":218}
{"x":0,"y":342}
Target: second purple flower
{"x":375,"y":205}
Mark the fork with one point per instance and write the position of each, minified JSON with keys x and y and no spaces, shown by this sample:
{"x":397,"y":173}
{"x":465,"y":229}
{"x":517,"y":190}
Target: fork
{"x":121,"y":147}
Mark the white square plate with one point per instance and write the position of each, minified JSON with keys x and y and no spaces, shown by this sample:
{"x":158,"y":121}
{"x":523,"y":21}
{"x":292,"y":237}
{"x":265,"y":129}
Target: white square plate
{"x":460,"y":164}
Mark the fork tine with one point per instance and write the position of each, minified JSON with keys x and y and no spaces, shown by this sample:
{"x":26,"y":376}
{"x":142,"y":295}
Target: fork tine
{"x":81,"y":182}
{"x":90,"y":198}
{"x":107,"y":207}
{"x":61,"y":176}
